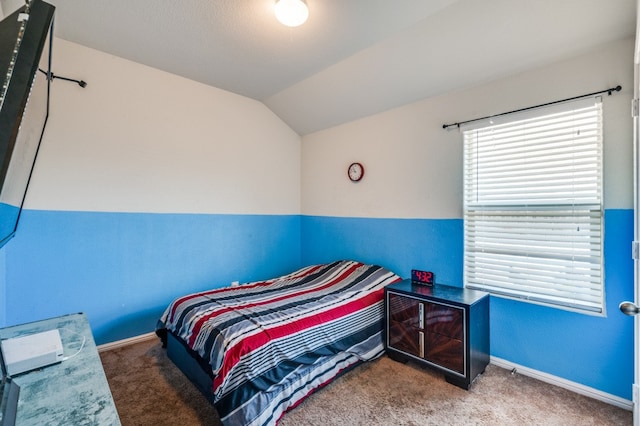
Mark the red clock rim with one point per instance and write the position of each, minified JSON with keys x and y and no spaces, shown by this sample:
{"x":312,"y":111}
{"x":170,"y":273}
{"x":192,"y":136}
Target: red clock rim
{"x":361,"y":171}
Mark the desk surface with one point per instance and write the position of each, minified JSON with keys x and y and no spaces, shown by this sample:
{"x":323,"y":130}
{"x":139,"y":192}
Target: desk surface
{"x":73,"y":392}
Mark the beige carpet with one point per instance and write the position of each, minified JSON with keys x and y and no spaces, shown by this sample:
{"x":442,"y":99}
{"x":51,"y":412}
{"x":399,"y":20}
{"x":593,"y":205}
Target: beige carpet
{"x":149,"y":390}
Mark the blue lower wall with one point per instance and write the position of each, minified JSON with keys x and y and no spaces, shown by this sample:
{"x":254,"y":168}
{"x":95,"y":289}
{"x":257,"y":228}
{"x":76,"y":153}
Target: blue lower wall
{"x":123,"y":269}
{"x":591,"y":350}
{"x":397,"y":244}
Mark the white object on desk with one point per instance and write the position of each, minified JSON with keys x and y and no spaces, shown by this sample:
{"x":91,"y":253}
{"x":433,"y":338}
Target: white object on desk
{"x":33,"y":351}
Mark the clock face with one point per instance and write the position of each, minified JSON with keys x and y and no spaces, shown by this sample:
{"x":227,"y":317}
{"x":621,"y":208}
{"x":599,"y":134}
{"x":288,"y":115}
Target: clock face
{"x":355,"y":172}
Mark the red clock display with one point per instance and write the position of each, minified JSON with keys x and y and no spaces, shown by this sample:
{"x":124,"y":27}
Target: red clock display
{"x":423,"y":277}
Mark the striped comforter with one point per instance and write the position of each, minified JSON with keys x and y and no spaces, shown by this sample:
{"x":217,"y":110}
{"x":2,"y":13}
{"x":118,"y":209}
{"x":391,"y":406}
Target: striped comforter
{"x":272,"y":343}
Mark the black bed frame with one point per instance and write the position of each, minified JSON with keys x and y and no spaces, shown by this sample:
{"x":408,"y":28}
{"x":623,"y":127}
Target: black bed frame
{"x":190,"y":363}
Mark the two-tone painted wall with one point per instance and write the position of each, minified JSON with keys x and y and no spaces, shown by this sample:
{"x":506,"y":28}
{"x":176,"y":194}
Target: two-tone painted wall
{"x":147,"y":186}
{"x":407,"y":211}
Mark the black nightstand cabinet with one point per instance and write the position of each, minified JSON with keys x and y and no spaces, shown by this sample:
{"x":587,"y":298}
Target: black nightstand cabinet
{"x":441,"y":326}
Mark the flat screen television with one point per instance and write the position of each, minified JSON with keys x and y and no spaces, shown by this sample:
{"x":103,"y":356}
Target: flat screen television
{"x":25,"y":74}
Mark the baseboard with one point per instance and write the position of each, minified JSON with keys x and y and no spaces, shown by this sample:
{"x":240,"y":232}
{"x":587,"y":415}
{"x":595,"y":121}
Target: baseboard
{"x":127,"y":342}
{"x":563,"y":383}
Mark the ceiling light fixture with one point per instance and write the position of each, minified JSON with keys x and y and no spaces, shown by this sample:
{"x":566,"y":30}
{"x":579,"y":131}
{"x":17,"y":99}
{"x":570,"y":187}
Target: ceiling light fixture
{"x":291,"y":13}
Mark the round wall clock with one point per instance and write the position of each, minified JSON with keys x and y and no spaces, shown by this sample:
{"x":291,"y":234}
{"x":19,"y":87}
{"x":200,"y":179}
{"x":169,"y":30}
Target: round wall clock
{"x":355,"y":172}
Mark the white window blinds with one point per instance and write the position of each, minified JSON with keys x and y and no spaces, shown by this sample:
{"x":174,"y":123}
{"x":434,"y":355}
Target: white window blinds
{"x":533,"y":207}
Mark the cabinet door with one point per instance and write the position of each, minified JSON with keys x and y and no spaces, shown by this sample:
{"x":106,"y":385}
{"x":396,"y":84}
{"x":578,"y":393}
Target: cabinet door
{"x":444,"y":336}
{"x":445,"y":320}
{"x":405,"y":324}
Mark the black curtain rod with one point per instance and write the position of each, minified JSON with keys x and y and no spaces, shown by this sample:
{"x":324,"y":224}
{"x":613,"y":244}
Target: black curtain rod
{"x":81,"y":83}
{"x":609,"y":91}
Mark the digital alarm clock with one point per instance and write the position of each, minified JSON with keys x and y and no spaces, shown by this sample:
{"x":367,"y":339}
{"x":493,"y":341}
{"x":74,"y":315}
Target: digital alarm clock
{"x":422,"y":277}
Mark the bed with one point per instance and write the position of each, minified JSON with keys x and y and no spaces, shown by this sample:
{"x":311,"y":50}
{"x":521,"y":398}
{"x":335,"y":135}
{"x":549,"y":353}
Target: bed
{"x":257,"y":350}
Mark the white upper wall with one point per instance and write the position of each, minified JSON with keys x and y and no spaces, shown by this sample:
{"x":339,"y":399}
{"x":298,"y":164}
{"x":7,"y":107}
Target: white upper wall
{"x":137,"y":139}
{"x":414,"y":167}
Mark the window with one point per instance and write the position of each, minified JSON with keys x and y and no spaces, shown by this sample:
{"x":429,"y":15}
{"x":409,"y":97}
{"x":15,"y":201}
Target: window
{"x":533,"y":207}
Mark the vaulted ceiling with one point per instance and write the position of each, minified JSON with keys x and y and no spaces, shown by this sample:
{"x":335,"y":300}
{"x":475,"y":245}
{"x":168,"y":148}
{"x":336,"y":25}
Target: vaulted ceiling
{"x":352,"y":58}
